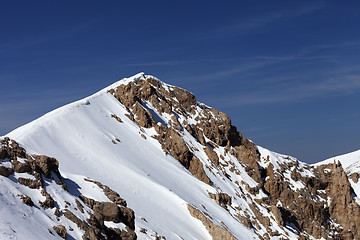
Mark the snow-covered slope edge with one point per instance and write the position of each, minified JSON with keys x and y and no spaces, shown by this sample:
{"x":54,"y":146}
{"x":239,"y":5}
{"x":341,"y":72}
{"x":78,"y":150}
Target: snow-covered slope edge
{"x":88,"y":141}
{"x":185,"y":170}
{"x":351,"y":164}
{"x":37,"y":202}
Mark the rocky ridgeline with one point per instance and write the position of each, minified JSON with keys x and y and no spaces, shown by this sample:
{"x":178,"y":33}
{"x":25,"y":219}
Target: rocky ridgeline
{"x":322,"y":207}
{"x":211,"y":124}
{"x":43,"y":169}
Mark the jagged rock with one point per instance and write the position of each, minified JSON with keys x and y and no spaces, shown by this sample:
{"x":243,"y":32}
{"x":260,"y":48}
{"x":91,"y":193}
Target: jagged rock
{"x":110,"y":211}
{"x":214,"y":230}
{"x":49,"y":201}
{"x":60,"y":230}
{"x":57,"y":212}
{"x":247,"y":153}
{"x":142,"y":116}
{"x":34,"y":184}
{"x":197,"y":169}
{"x":111,"y":194}
{"x":21,"y":167}
{"x":277,"y":214}
{"x":127,"y":216}
{"x":212,"y":156}
{"x":116,"y":117}
{"x":94,"y":228}
{"x":354,"y":177}
{"x":199,"y":135}
{"x":222,"y":199}
{"x":175,"y":145}
{"x":79,"y":206}
{"x":27,"y":200}
{"x":3,"y":153}
{"x":45,"y":165}
{"x":185,"y":98}
{"x":343,"y":207}
{"x":11,"y":149}
{"x":6,"y":172}
{"x":16,"y":150}
{"x":244,"y":220}
{"x":128,"y":234}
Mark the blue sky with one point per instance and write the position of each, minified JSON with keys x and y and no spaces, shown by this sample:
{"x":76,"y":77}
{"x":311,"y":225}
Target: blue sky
{"x":286,"y":72}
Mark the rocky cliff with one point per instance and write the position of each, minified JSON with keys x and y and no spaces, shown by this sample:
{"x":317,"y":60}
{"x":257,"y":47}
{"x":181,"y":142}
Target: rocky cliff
{"x":184,"y":169}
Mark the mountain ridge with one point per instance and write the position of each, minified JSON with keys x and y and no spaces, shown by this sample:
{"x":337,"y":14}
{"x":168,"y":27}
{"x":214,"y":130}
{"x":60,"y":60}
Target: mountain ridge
{"x":236,"y":187}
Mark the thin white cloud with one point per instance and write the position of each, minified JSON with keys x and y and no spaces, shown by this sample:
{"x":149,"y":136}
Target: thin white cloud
{"x":294,"y":91}
{"x":245,"y":26}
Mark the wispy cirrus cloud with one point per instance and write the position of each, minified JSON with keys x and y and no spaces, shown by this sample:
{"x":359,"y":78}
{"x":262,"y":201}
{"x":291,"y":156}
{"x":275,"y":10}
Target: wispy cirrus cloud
{"x":264,"y":20}
{"x":294,"y":90}
{"x":244,"y":26}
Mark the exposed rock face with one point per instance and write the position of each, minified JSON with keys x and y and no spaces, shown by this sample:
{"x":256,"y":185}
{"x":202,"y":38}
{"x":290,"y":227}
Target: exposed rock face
{"x":274,"y":196}
{"x":40,"y":168}
{"x":301,"y":207}
{"x":5,"y":171}
{"x":343,"y":208}
{"x":27,"y":200}
{"x":112,"y":212}
{"x":222,"y":199}
{"x":29,"y":182}
{"x":61,"y":231}
{"x":110,"y":194}
{"x":212,"y":124}
{"x":214,"y":158}
{"x":215,"y":231}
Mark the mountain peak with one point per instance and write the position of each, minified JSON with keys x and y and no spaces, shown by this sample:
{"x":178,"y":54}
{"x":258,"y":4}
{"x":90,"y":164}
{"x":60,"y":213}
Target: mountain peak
{"x":169,"y":155}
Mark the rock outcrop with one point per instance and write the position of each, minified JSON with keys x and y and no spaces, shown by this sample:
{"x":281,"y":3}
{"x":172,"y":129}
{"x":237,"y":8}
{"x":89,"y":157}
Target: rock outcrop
{"x":40,"y":168}
{"x":265,"y":194}
{"x":215,"y":231}
{"x":290,"y":197}
{"x":210,"y":123}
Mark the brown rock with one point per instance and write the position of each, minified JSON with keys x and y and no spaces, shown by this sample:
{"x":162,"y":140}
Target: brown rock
{"x":34,"y":184}
{"x":60,"y":230}
{"x":142,"y":116}
{"x":222,"y":199}
{"x":110,"y":194}
{"x":128,"y":234}
{"x":186,"y":99}
{"x":197,"y":169}
{"x":110,"y":211}
{"x":6,"y":172}
{"x":45,"y":165}
{"x":214,"y":230}
{"x":354,"y":177}
{"x":21,"y":167}
{"x":27,"y":200}
{"x":117,"y":118}
{"x":4,"y":154}
{"x":57,"y":212}
{"x":49,"y":201}
{"x":127,"y":216}
{"x":212,"y":156}
{"x":277,"y":214}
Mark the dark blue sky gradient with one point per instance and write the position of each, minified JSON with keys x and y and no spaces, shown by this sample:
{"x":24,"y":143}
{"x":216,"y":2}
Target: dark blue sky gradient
{"x":286,"y":72}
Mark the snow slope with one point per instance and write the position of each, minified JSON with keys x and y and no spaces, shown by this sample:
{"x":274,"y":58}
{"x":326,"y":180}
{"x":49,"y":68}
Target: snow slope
{"x":155,"y":185}
{"x":351,"y":165}
{"x":87,"y":141}
{"x":350,"y":162}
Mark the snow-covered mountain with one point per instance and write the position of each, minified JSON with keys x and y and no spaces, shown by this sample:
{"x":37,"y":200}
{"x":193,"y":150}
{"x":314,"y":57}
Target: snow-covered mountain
{"x":144,"y":159}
